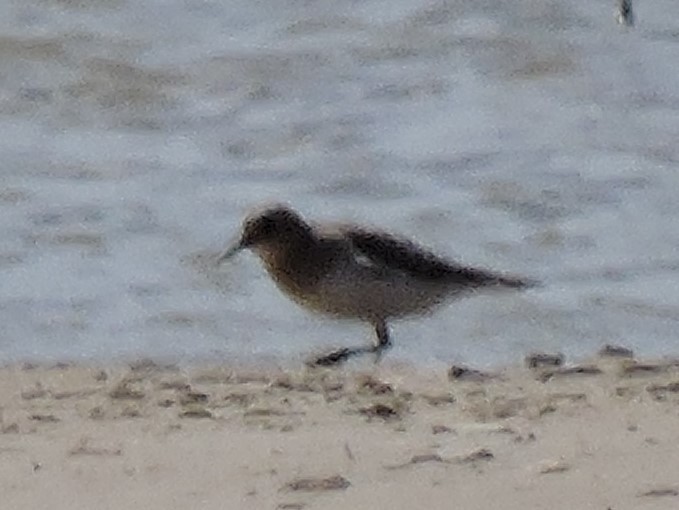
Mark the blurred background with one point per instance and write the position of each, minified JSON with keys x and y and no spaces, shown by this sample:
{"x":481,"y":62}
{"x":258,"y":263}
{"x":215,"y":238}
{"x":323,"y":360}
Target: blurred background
{"x":531,"y":136}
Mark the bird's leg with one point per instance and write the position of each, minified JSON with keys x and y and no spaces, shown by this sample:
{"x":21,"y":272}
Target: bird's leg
{"x":383,"y":340}
{"x":341,"y":355}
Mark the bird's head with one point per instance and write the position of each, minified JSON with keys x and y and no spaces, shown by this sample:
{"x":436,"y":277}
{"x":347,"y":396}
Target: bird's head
{"x":268,"y":229}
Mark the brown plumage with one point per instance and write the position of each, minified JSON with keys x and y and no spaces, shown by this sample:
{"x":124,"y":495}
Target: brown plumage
{"x":353,"y":272}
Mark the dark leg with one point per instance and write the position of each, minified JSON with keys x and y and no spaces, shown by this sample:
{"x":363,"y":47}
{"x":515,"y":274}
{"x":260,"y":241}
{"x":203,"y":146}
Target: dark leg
{"x":383,"y":340}
{"x":341,"y":355}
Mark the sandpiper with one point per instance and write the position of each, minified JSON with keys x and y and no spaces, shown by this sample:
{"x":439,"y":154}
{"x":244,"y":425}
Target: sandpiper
{"x":352,"y":272}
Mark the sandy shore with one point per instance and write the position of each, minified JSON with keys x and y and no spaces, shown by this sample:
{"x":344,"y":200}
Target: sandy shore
{"x":604,"y":435}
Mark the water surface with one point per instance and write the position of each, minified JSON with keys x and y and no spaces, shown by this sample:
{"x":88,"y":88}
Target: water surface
{"x":530,"y":136}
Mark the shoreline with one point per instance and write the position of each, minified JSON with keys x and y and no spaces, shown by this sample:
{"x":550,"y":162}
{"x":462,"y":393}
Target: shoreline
{"x":257,"y":361}
{"x":598,"y":434}
{"x":607,"y":354}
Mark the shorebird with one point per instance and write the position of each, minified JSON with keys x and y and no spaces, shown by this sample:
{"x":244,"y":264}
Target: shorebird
{"x":353,"y":272}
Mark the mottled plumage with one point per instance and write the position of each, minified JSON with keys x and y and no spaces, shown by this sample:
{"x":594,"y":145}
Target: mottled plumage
{"x":352,"y":272}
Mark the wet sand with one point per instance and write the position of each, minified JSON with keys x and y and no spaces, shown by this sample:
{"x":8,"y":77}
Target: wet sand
{"x":599,"y":435}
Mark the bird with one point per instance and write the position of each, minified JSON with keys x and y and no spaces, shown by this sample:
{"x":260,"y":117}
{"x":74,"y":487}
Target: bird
{"x":354,"y":272}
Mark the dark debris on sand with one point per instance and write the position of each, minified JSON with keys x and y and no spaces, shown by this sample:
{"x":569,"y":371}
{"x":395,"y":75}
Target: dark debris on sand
{"x":331,"y":483}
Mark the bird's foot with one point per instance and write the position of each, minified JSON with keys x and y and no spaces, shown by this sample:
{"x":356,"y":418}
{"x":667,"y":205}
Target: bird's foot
{"x":333,"y":358}
{"x":339,"y":356}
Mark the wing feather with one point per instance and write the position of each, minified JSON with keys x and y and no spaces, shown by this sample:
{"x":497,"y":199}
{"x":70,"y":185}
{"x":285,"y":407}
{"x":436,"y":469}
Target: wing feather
{"x":383,"y":249}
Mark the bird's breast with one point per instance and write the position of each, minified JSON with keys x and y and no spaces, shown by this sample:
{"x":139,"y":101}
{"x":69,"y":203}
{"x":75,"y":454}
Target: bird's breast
{"x":290,"y":273}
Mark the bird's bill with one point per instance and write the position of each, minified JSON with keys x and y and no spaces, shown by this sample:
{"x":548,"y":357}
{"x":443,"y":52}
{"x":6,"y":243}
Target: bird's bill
{"x":229,"y":252}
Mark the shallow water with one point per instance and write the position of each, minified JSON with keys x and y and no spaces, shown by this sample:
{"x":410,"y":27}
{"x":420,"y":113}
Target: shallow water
{"x":535,"y":137}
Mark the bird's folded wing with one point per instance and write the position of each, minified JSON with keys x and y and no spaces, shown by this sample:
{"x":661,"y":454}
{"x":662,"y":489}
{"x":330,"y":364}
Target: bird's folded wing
{"x":390,"y":252}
